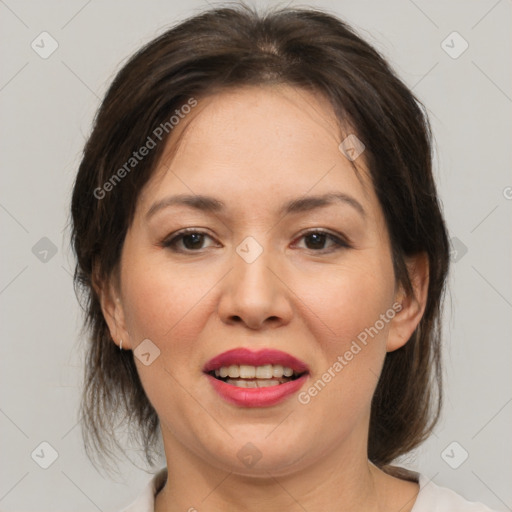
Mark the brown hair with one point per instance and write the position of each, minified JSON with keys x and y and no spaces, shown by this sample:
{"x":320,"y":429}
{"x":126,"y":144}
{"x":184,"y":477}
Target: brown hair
{"x":229,"y":47}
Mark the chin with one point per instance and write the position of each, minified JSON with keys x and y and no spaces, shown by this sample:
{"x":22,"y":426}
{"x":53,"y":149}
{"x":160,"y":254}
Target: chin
{"x":253,"y":452}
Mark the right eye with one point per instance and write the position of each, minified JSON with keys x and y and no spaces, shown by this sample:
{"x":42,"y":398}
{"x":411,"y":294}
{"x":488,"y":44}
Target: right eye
{"x":191,"y":240}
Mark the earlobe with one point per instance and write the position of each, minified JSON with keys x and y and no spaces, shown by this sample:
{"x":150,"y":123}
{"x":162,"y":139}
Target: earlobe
{"x":112,"y":309}
{"x":413,"y":303}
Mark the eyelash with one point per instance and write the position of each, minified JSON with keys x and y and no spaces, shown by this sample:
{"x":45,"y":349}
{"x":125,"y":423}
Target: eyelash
{"x":170,"y":243}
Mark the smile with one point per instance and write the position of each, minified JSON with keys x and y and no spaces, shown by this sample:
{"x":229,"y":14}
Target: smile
{"x":255,"y":378}
{"x":246,"y":376}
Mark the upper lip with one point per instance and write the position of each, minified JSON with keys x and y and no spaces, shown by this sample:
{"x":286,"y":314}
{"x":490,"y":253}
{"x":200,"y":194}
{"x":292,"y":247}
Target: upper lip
{"x":249,"y":357}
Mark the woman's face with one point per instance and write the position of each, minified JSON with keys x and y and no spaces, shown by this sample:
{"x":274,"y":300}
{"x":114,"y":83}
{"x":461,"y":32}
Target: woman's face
{"x":257,"y":276}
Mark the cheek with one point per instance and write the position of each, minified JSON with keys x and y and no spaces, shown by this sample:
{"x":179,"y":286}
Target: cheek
{"x":171,"y":309}
{"x":168,"y":308}
{"x":349,"y":312}
{"x":344,"y":300}
{"x":159,"y":300}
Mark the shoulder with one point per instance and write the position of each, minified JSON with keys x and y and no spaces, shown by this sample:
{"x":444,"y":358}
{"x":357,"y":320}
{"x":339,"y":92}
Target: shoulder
{"x":145,"y":502}
{"x":432,"y":497}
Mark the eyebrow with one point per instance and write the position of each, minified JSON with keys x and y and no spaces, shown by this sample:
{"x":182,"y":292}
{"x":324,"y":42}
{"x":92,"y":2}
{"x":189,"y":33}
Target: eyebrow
{"x":302,"y":204}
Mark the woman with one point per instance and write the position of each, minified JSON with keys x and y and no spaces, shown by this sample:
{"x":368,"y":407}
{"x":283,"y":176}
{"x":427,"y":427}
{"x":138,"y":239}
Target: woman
{"x":263,"y":256}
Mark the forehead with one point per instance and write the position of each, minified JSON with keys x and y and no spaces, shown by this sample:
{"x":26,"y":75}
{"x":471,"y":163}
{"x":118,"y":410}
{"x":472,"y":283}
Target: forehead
{"x":257,"y":144}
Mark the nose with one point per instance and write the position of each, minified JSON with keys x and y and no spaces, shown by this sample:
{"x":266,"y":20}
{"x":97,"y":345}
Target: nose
{"x":255,"y":294}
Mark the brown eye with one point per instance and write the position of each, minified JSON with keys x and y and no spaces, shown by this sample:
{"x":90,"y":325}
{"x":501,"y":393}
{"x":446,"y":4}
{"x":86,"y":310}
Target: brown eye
{"x":316,"y":240}
{"x":187,"y":241}
{"x":193,"y":240}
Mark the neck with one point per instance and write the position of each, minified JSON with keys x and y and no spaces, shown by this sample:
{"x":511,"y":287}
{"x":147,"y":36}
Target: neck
{"x":342,"y":479}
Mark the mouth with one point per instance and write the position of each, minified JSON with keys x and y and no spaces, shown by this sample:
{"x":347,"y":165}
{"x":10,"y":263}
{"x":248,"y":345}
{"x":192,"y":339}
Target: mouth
{"x":244,"y":368}
{"x":246,"y":376}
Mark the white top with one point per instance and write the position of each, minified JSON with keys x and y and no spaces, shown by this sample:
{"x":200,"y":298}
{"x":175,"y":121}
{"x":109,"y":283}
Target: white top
{"x":431,"y":497}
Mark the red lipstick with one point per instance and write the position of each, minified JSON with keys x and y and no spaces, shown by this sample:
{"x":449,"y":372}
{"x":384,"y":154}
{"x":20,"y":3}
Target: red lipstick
{"x":260,"y":396}
{"x":255,"y":358}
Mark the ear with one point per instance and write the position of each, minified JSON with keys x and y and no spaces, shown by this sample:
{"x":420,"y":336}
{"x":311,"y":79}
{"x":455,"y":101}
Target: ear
{"x":412,"y":304}
{"x":112,"y":308}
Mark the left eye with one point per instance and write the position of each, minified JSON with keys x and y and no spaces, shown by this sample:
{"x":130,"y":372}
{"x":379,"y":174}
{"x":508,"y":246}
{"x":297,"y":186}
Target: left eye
{"x":319,"y":238}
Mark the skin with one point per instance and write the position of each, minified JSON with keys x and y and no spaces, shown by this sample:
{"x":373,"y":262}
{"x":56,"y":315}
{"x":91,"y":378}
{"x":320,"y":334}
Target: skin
{"x":255,"y":148}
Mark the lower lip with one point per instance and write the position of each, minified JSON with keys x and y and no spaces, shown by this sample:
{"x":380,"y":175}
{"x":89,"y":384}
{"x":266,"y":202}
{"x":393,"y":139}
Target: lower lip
{"x":256,"y":397}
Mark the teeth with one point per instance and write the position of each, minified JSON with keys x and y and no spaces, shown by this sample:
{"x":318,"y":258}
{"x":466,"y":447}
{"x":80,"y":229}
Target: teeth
{"x":234,"y":371}
{"x":264,"y":372}
{"x":277,"y":370}
{"x":244,"y":371}
{"x":247,"y":372}
{"x":253,"y":383}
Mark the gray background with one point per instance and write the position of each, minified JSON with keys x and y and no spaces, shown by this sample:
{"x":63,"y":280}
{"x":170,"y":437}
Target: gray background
{"x":47,"y":107}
